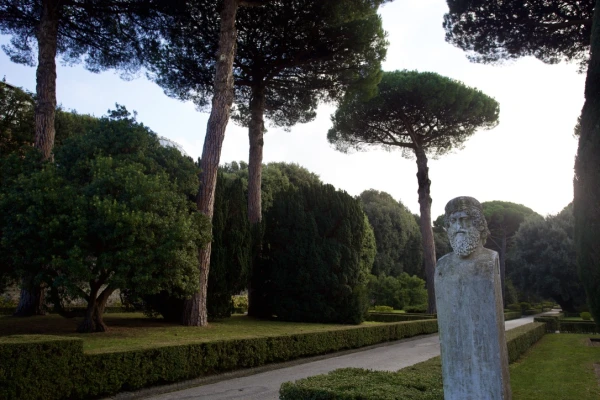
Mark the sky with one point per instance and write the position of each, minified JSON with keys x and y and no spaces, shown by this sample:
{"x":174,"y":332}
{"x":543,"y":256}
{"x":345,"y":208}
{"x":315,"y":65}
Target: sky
{"x":527,"y":159}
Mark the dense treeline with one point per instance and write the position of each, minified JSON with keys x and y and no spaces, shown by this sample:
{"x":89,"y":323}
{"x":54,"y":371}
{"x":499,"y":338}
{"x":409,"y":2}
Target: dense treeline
{"x":117,"y":212}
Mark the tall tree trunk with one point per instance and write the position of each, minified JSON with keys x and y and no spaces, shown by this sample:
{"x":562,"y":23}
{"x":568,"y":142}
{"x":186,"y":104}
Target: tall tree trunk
{"x":45,"y":105}
{"x":256,"y":130}
{"x":586,"y":203}
{"x":31,"y":299}
{"x":194,"y":313}
{"x":429,"y":259}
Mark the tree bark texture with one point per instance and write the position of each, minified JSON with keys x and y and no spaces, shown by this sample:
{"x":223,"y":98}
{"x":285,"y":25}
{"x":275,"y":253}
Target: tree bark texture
{"x":31,"y":300}
{"x":45,"y":106}
{"x":195,"y":308}
{"x":93,"y":318}
{"x":429,"y":259}
{"x":256,"y":130}
{"x":586,"y":202}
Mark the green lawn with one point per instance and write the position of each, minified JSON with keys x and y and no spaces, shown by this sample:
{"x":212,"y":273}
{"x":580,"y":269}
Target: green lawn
{"x":132,"y":331}
{"x":558,"y":367}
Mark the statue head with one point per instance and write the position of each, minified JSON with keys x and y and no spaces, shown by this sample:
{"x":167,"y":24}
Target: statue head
{"x":465,"y":224}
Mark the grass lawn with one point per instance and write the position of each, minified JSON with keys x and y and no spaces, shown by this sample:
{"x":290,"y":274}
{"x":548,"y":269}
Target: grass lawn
{"x":558,"y":367}
{"x":132,"y":331}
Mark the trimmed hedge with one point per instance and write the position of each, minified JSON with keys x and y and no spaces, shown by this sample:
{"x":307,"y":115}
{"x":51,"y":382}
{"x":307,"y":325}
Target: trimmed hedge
{"x":555,"y":323}
{"x":578,"y":327}
{"x":532,"y":311}
{"x":512,"y":315}
{"x":422,"y":381}
{"x":396,"y":317}
{"x":63,"y":370}
{"x":552,"y":322}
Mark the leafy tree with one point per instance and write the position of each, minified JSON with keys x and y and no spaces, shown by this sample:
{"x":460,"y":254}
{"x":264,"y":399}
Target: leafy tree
{"x":289,"y":56}
{"x":313,"y":266}
{"x":503,"y":219}
{"x":544,"y":259}
{"x":396,"y":234}
{"x":397,"y":292}
{"x":16,"y":118}
{"x":113,"y":212}
{"x":422,"y":114}
{"x":105,"y":33}
{"x":587,"y":176}
{"x":495,"y":30}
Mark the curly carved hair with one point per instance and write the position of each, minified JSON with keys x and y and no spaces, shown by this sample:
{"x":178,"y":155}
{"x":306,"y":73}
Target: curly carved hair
{"x":473,"y":209}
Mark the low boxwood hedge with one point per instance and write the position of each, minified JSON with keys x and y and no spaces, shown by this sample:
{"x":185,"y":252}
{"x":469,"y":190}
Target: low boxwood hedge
{"x":422,"y":381}
{"x":552,"y":322}
{"x":512,"y":315}
{"x":396,"y":317}
{"x":62,"y":370}
{"x":578,"y":327}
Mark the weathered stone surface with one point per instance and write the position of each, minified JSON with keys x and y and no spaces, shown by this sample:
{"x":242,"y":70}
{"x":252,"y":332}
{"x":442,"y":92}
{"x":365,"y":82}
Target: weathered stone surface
{"x":470,"y":312}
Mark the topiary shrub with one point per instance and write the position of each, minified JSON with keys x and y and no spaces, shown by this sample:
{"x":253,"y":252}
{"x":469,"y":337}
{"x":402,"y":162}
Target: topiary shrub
{"x":514,"y":307}
{"x":524,"y":306}
{"x":586,"y":316}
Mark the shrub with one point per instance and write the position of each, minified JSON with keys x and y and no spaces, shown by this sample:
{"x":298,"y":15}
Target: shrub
{"x":417,"y":308}
{"x":395,"y":317}
{"x":383,"y":309}
{"x":514,"y":307}
{"x":586,"y":316}
{"x":313,"y":266}
{"x":578,"y":327}
{"x":552,"y":322}
{"x":240,"y":304}
{"x":524,"y":306}
{"x":422,"y":381}
{"x":512,"y":315}
{"x":34,"y":367}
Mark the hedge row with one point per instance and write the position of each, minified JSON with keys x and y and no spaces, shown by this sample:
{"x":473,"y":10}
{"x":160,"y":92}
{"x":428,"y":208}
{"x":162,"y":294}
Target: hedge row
{"x":52,"y":368}
{"x":578,"y":327}
{"x":512,"y":315}
{"x":396,"y":317}
{"x":555,"y":323}
{"x":11,"y":310}
{"x":422,"y":381}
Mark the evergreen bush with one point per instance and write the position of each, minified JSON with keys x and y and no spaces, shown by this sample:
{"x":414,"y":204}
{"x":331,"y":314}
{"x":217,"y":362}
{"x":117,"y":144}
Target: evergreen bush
{"x":315,"y":257}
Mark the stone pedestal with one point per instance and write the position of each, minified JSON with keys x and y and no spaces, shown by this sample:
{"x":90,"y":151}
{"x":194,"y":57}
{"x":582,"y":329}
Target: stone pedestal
{"x":471,"y":326}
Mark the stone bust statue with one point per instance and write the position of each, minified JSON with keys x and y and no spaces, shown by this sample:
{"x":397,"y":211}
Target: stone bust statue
{"x":470,"y":309}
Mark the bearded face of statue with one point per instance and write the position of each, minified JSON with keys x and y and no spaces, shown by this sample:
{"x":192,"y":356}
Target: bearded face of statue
{"x":464,"y":236}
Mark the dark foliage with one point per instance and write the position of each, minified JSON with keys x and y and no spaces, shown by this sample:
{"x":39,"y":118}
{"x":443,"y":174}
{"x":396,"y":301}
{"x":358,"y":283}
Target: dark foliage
{"x":311,"y":267}
{"x":544,"y":260}
{"x":231,"y":252}
{"x":587,"y":176}
{"x":493,"y":30}
{"x":396,"y":234}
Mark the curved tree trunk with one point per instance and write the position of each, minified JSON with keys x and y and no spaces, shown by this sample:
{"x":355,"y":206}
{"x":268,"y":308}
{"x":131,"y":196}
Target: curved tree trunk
{"x":587,"y":175}
{"x":194,"y":313}
{"x":429,"y":259}
{"x":93,"y":318}
{"x":256,"y":130}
